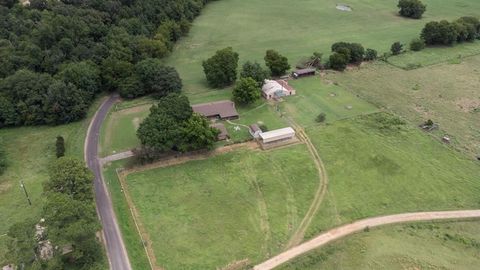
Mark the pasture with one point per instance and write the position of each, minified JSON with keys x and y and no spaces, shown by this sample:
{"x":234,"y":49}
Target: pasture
{"x":375,"y":171}
{"x":431,"y":245}
{"x":314,"y":96}
{"x":203,"y":215}
{"x":446,"y":93}
{"x":30,"y":150}
{"x":251,"y":27}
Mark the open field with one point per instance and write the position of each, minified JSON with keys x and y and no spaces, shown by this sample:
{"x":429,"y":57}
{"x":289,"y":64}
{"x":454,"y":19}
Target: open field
{"x":315,"y":96}
{"x":30,"y":151}
{"x":200,"y":215}
{"x":251,"y":27}
{"x":447,"y":93}
{"x":431,"y":245}
{"x":374,"y":172}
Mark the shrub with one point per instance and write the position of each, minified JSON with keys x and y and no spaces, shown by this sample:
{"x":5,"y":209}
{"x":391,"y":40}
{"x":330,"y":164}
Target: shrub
{"x":441,"y":33}
{"x":221,"y":69}
{"x":354,"y":51}
{"x":411,"y":8}
{"x":338,"y":61}
{"x":370,"y":54}
{"x":277,"y":63}
{"x":321,"y":117}
{"x":417,"y":44}
{"x":396,"y":48}
{"x":60,"y":146}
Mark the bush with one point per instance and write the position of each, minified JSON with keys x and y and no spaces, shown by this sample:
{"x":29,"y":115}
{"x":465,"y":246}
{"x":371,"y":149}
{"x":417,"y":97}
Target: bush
{"x":411,"y":8}
{"x":417,"y":44}
{"x":60,"y":146}
{"x":396,"y":48}
{"x":277,"y":63}
{"x":439,"y":33}
{"x":370,"y":55}
{"x":321,"y":117}
{"x":338,"y":61}
{"x":221,"y":69}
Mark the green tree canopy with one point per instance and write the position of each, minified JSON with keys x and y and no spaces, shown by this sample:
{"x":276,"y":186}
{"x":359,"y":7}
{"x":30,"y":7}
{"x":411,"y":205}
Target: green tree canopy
{"x":277,"y":63}
{"x":221,"y":69}
{"x":338,"y":61}
{"x":197,"y":134}
{"x":158,"y":79}
{"x":255,"y":71}
{"x":246,"y":91}
{"x":411,"y":8}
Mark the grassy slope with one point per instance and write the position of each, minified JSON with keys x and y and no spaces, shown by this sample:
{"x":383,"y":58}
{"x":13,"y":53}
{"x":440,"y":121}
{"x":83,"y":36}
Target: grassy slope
{"x":29,"y":151}
{"x":445,"y":245}
{"x":447,"y":93}
{"x":372,"y":172}
{"x":313,"y":97}
{"x":201,"y":215}
{"x":298,"y":30}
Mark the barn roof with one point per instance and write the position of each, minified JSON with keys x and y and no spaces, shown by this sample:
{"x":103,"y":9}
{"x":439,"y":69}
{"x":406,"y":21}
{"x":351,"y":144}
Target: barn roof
{"x":224,"y":109}
{"x":223,"y":131}
{"x":276,"y":133}
{"x":305,"y":71}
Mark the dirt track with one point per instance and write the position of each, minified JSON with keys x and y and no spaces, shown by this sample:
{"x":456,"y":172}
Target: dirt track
{"x":360,"y":225}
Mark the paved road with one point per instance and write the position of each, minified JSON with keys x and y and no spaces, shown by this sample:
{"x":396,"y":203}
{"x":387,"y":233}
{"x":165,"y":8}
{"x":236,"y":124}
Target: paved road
{"x":116,"y":252}
{"x":360,"y":225}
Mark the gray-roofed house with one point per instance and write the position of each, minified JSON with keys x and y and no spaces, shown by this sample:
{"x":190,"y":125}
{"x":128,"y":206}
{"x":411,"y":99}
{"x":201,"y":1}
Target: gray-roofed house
{"x":224,"y":109}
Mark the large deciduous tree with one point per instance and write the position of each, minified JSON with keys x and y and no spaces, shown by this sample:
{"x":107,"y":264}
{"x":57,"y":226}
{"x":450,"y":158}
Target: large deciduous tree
{"x":255,"y":71}
{"x":221,"y":69}
{"x":158,"y":79}
{"x":246,"y":91}
{"x":277,"y":63}
{"x":411,"y":8}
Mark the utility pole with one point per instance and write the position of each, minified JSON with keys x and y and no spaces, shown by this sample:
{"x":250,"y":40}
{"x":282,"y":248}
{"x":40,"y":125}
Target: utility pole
{"x":22,"y":185}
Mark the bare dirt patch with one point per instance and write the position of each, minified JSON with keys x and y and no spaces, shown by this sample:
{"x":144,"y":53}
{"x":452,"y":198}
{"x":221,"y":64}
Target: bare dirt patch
{"x":468,"y":104}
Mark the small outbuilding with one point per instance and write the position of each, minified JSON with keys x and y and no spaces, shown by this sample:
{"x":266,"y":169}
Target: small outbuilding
{"x":224,"y":109}
{"x":277,"y":135}
{"x":276,"y":89}
{"x":255,"y":131}
{"x":303,"y":72}
{"x":223,"y":135}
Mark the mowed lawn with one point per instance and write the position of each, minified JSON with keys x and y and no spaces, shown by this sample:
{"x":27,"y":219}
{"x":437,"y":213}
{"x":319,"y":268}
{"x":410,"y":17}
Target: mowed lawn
{"x":440,"y":245}
{"x":375,"y":172}
{"x":298,"y":29}
{"x":30,"y":150}
{"x":314,"y":96}
{"x":447,"y":93}
{"x":240,"y":205}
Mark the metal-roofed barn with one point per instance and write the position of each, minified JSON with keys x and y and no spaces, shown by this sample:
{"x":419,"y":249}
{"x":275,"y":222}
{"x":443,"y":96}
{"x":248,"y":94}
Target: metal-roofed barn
{"x":275,"y":89}
{"x":224,"y":109}
{"x":303,"y":72}
{"x":277,"y":135}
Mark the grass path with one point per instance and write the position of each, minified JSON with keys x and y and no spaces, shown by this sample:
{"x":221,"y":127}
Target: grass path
{"x":360,"y":225}
{"x":298,"y":236}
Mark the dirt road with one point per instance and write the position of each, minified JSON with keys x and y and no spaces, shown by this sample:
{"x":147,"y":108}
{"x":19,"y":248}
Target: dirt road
{"x":360,"y":225}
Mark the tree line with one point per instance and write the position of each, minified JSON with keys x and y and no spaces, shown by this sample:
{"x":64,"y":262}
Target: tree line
{"x":55,"y":56}
{"x":64,"y":236}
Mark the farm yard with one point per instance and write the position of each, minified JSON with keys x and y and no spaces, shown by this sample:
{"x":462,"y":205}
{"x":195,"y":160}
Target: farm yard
{"x":244,"y":206}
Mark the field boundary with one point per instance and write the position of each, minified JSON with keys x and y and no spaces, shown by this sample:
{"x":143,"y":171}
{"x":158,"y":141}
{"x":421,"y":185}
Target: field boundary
{"x":430,"y":65}
{"x":357,"y":226}
{"x":144,"y":237}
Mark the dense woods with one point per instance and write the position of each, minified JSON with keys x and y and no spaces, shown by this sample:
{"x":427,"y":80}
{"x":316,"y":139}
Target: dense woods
{"x":55,"y":56}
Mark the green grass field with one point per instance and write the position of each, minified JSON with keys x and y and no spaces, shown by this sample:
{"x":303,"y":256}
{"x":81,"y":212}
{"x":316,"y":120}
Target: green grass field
{"x":441,"y":245}
{"x":251,"y":27}
{"x":30,"y":150}
{"x":201,"y":215}
{"x":315,"y":96}
{"x":446,"y":93}
{"x":374,"y":172}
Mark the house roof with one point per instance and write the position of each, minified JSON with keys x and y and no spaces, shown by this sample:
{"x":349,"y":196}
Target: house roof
{"x":270,"y":87}
{"x":254,"y":128}
{"x":304,"y":71}
{"x":277,"y":133}
{"x":221,"y":127}
{"x":224,"y":109}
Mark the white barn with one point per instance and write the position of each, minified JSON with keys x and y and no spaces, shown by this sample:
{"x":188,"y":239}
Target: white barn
{"x":277,"y":135}
{"x":276,"y":88}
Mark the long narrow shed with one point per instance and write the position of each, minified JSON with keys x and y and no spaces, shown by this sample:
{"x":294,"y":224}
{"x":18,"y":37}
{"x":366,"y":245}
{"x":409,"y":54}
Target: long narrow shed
{"x":277,"y":135}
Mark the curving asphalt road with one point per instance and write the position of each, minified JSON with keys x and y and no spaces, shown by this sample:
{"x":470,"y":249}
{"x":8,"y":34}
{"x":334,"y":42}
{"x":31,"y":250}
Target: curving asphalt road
{"x":360,"y":225}
{"x":116,"y":252}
